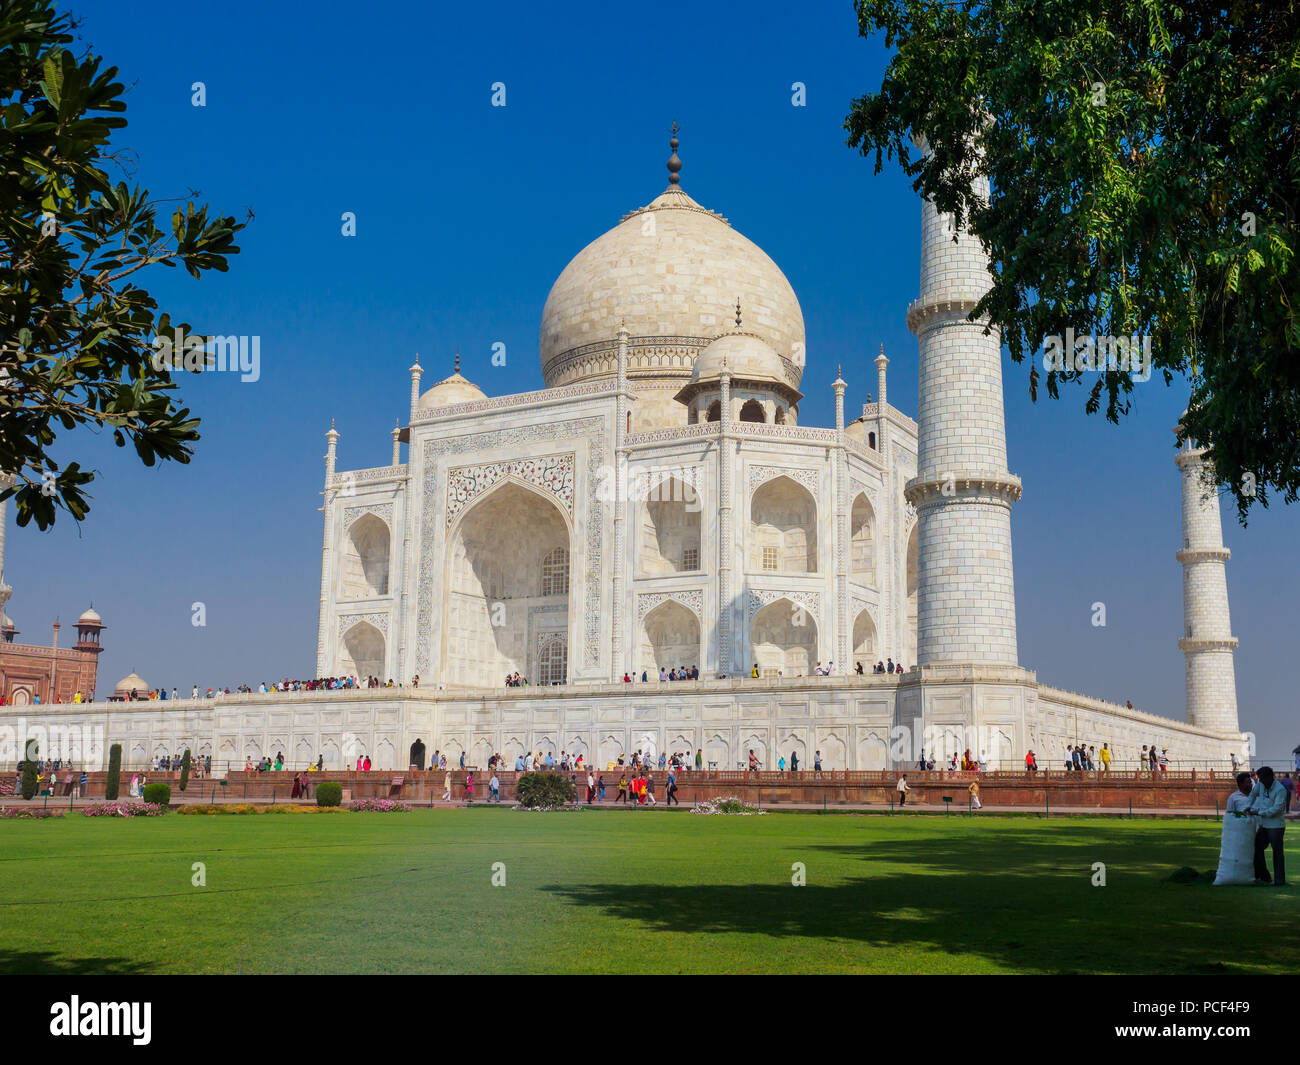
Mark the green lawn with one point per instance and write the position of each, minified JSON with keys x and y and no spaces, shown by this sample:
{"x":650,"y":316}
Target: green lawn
{"x":621,"y":892}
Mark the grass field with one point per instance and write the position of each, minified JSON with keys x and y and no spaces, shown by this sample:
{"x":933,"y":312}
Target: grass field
{"x":621,"y":892}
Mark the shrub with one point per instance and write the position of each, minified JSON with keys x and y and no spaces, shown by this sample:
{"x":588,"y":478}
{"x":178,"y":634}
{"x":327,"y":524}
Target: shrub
{"x":158,"y":792}
{"x":243,"y":808}
{"x":114,"y":782}
{"x":124,"y":809}
{"x":329,"y":793}
{"x":31,"y":770}
{"x":727,"y":804}
{"x":544,"y":791}
{"x":379,"y":806}
{"x":185,"y":769}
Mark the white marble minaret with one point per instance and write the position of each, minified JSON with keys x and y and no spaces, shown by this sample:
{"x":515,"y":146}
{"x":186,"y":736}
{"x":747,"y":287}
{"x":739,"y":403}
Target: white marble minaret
{"x":1207,"y":642}
{"x":966,"y":605}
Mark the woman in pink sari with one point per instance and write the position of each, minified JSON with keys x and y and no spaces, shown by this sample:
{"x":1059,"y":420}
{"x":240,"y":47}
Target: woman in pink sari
{"x":469,"y":787}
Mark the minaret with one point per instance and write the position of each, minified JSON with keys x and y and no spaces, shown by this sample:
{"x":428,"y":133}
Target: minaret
{"x":881,"y":363}
{"x":326,"y":568}
{"x":416,"y":372}
{"x":962,"y":490}
{"x":726,"y":543}
{"x":1207,"y":642}
{"x":842,"y":532}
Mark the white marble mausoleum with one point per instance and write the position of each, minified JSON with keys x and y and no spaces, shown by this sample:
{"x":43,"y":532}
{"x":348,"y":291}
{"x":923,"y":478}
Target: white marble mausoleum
{"x":661,"y":504}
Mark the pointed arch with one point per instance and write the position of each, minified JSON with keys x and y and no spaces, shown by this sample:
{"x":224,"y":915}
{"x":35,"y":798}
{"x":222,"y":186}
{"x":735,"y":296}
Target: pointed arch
{"x":670,"y":637}
{"x":752,"y":411}
{"x":670,"y":528}
{"x":718,"y":751}
{"x":865,"y":644}
{"x":362,"y":653}
{"x":873,"y":752}
{"x":832,"y":748}
{"x":507,"y":589}
{"x":365,"y":559}
{"x":783,"y":527}
{"x":862,"y":537}
{"x":783,"y":640}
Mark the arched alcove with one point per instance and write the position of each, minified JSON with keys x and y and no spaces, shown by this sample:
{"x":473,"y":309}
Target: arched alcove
{"x":507,"y":590}
{"x":670,"y":638}
{"x":362,"y":653}
{"x":670,"y":529}
{"x":783,"y":528}
{"x":783,"y":639}
{"x":865,"y":649}
{"x":862,"y":529}
{"x":365,"y":559}
{"x":752,"y":411}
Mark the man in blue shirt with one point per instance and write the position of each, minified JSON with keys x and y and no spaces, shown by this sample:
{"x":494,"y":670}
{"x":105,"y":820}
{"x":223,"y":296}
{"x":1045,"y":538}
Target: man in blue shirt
{"x":1268,"y":802}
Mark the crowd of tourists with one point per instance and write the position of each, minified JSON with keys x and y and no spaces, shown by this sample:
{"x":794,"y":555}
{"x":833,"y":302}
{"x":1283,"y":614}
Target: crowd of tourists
{"x":285,"y":685}
{"x":1081,"y":758}
{"x":199,"y":767}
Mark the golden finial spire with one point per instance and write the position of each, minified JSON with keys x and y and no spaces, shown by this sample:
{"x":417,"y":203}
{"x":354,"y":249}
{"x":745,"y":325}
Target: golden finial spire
{"x":737,"y":312}
{"x":457,"y":367}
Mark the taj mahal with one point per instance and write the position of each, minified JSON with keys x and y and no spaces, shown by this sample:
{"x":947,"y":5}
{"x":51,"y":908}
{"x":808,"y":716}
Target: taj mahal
{"x":660,"y":504}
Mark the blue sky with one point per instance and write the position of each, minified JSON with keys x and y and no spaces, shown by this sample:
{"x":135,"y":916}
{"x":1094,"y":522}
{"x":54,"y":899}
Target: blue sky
{"x":466,"y":214}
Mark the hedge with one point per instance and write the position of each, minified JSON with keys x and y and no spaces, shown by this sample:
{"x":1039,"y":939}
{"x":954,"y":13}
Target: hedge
{"x":158,"y":792}
{"x":31,"y":769}
{"x":329,"y":793}
{"x":114,"y":782}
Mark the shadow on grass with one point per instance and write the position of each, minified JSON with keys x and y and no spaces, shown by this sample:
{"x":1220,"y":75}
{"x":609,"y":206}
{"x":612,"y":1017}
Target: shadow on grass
{"x":1023,"y":899}
{"x":46,"y":963}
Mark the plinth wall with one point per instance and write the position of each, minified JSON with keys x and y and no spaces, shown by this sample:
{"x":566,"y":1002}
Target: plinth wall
{"x":857,"y":723}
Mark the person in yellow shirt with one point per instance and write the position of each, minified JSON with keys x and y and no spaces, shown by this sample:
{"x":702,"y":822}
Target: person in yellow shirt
{"x":754,"y":672}
{"x":1105,"y":758}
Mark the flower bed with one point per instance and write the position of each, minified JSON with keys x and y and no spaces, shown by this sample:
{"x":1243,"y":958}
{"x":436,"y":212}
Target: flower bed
{"x":124,"y":809}
{"x":198,"y":809}
{"x":378,"y":806}
{"x":33,"y":813}
{"x":728,"y":804}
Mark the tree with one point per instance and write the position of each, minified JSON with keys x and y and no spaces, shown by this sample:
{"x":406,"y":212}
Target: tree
{"x":1145,"y":181}
{"x":185,"y":769}
{"x":77,"y":336}
{"x":113,"y":782}
{"x":31,"y":769}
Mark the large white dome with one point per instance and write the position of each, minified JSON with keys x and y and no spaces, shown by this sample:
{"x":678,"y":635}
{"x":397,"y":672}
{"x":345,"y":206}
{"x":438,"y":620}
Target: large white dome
{"x":672,"y":271}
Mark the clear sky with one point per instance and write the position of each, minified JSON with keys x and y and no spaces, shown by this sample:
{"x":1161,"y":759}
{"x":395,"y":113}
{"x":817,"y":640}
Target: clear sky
{"x":466,"y":213}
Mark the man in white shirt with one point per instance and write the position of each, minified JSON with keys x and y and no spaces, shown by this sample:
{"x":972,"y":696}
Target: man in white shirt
{"x":1267,"y":801}
{"x":903,"y":789}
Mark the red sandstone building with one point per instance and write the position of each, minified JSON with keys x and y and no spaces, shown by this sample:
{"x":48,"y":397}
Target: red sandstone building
{"x":53,"y":674}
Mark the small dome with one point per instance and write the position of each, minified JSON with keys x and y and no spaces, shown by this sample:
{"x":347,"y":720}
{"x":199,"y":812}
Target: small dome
{"x":453,"y":389}
{"x":90,"y":617}
{"x":746,"y":356}
{"x":132,"y":681}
